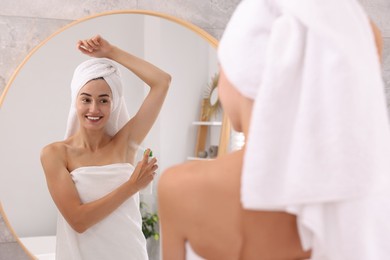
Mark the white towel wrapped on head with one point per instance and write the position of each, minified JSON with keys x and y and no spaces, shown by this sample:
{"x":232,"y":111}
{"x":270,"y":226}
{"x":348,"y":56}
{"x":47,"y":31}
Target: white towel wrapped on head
{"x":319,"y":141}
{"x":93,"y":69}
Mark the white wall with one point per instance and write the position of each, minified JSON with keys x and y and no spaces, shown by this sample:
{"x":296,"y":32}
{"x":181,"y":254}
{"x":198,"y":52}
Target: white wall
{"x":187,"y":59}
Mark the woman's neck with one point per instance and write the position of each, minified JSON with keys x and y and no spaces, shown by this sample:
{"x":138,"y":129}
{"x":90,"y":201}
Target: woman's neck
{"x":92,"y":140}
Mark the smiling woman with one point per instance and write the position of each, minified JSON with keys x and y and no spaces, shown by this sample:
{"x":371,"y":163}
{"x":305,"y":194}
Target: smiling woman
{"x":35,"y":109}
{"x":91,"y":175}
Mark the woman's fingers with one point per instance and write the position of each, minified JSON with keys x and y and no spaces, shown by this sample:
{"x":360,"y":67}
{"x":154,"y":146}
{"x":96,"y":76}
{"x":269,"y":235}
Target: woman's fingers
{"x":151,"y":170}
{"x":90,"y":44}
{"x":84,"y":46}
{"x":94,"y":44}
{"x":96,"y":40}
{"x":145,"y":170}
{"x":147,"y":161}
{"x":146,"y":156}
{"x":150,"y":167}
{"x":147,"y":165}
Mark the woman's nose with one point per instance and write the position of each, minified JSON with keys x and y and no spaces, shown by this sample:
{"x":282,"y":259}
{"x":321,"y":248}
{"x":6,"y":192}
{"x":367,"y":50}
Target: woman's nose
{"x":94,"y":107}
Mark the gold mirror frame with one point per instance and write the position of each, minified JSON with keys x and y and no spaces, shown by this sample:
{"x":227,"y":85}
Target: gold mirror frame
{"x":225,"y":131}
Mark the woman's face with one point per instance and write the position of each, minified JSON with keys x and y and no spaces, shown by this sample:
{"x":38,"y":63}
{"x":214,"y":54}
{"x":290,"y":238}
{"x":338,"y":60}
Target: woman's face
{"x":94,"y":104}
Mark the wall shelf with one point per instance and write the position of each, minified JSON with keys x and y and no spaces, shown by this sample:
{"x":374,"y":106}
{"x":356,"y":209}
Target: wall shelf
{"x":203,"y":125}
{"x":209,"y":123}
{"x":191,"y":158}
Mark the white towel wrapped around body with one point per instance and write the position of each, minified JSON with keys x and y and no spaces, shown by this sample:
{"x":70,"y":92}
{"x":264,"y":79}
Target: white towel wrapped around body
{"x":119,"y":236}
{"x":109,"y":71}
{"x":319,"y":140}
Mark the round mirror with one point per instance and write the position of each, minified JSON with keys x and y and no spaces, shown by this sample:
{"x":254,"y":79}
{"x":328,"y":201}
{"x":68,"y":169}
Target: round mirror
{"x":35,"y":103}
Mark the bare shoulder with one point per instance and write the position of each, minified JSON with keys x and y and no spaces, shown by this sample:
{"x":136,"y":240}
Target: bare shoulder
{"x":54,"y":153}
{"x":178,"y":182}
{"x":174,"y":177}
{"x":201,"y":171}
{"x":53,"y":149}
{"x":199,"y":177}
{"x":176,"y":189}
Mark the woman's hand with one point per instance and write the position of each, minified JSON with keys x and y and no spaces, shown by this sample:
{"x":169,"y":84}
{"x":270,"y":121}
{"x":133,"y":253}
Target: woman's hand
{"x":95,"y":47}
{"x":144,"y":172}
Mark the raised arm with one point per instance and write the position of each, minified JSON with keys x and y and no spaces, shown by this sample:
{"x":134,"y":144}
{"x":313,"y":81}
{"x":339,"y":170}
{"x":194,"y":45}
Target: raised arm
{"x":81,"y":216}
{"x":158,"y":81}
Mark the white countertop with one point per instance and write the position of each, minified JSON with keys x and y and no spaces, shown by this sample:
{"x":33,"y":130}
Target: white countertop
{"x":43,"y":247}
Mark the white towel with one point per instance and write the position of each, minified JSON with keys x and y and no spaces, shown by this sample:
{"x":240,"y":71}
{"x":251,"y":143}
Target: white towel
{"x":92,"y":69}
{"x":119,"y":235}
{"x":190,"y":253}
{"x":319,"y":139}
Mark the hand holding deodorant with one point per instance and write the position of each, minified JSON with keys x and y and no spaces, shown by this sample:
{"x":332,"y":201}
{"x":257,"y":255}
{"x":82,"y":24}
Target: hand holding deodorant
{"x":148,"y":189}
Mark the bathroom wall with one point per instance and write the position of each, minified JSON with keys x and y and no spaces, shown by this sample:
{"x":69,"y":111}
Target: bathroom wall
{"x":23,"y":23}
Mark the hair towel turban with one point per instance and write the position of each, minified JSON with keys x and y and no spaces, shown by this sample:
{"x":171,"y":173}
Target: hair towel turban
{"x":92,"y":69}
{"x":319,"y":141}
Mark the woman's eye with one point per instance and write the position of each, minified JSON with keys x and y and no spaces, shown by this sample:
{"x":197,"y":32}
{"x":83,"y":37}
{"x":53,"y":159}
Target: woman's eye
{"x":104,"y":101}
{"x":85,"y":100}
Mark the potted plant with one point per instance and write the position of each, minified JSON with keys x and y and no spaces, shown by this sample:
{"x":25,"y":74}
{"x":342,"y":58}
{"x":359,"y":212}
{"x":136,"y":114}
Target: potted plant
{"x":149,"y":222}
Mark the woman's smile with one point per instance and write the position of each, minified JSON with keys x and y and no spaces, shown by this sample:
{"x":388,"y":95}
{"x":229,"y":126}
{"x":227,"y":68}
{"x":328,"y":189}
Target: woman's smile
{"x":94,"y":118}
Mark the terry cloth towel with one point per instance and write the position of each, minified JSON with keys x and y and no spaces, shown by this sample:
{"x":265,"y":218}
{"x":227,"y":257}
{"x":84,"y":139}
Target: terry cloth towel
{"x":92,"y":69}
{"x":119,"y":236}
{"x":190,"y":253}
{"x":319,"y":140}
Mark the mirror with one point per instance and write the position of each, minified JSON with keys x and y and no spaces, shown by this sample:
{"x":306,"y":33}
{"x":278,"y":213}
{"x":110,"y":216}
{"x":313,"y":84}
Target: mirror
{"x":214,"y":97}
{"x":35,"y":103}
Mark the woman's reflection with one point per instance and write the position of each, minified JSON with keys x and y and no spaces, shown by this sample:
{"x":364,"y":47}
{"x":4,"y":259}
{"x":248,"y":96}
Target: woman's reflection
{"x":90,"y":174}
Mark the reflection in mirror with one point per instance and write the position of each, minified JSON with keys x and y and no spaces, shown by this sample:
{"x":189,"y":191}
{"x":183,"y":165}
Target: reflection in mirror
{"x":34,"y":111}
{"x":214,"y":97}
{"x":10,"y":245}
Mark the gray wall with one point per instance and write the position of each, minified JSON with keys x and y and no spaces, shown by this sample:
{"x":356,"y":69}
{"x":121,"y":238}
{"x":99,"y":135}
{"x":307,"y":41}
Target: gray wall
{"x":379,"y":11}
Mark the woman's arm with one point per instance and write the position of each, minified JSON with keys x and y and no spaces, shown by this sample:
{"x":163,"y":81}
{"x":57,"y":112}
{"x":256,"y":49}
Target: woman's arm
{"x":155,"y":78}
{"x":64,"y":193}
